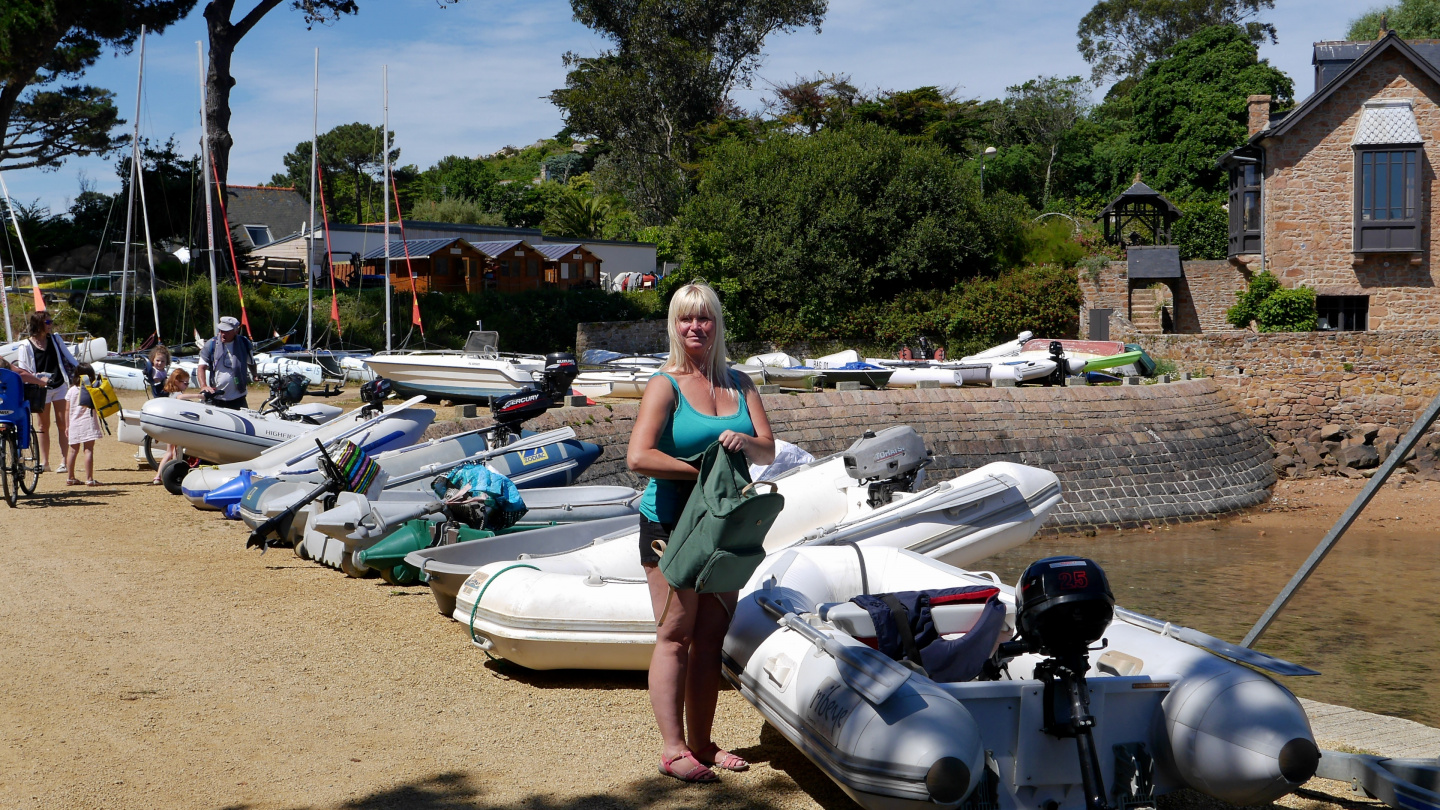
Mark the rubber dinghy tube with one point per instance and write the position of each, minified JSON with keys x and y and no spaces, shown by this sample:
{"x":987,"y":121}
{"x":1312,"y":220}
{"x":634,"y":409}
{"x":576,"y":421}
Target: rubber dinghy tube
{"x":476,"y":607}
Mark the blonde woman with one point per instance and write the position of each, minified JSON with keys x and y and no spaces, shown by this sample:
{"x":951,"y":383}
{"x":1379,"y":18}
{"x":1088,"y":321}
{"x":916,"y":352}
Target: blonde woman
{"x":693,"y":401}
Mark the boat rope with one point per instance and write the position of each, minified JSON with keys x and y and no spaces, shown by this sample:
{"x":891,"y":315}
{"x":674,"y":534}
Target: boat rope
{"x":476,"y":607}
{"x":864,"y":578}
{"x":414,"y":294}
{"x":329,"y":256}
{"x":230,"y":240}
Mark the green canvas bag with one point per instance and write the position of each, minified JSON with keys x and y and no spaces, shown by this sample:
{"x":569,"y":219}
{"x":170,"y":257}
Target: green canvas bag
{"x":718,"y":542}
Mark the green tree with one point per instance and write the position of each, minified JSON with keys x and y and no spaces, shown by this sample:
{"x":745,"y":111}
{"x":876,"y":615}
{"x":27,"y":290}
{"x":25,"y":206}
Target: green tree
{"x":1203,"y":231}
{"x":809,"y":104}
{"x":460,"y":210}
{"x":927,"y":113}
{"x":1247,"y":303}
{"x":170,"y":181}
{"x":1189,"y":108}
{"x":670,"y":70}
{"x":45,"y":42}
{"x":1121,"y":37}
{"x":1043,"y":111}
{"x":1411,"y":19}
{"x":800,"y":231}
{"x":349,"y":154}
{"x":578,"y":216}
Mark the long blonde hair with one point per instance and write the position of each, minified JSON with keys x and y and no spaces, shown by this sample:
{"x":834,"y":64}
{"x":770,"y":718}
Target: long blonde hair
{"x":697,"y":297}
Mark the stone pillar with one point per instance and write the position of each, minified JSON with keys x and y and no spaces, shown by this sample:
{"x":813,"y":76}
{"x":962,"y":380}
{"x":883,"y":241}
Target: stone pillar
{"x":1259,"y":113}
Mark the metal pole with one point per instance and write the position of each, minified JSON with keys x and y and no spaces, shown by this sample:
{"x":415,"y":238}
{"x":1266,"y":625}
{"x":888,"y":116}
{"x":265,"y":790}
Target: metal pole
{"x":130,"y":198}
{"x":310,"y":251}
{"x":1395,"y":459}
{"x":34,"y":283}
{"x":209,"y":195}
{"x":385,"y":187}
{"x":5,"y":295}
{"x":149,"y":252}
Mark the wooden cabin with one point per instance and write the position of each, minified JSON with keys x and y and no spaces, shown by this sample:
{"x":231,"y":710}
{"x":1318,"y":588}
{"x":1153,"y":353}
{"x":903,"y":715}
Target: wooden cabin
{"x":570,"y":266}
{"x":512,"y":265}
{"x":440,"y":265}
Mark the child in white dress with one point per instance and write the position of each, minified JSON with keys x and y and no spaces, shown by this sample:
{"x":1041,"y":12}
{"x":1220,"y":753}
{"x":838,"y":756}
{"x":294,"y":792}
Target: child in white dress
{"x":85,"y":429}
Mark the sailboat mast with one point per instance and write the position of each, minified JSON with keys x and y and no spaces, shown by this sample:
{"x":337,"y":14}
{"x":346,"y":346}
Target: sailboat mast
{"x":34,"y":282}
{"x":310,"y":253}
{"x":385,"y":159}
{"x":209,"y":195}
{"x":149,"y":252}
{"x":130,"y":198}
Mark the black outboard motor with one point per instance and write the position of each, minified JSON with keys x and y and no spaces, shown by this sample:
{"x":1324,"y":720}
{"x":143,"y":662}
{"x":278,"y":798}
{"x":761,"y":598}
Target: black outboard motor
{"x":1064,"y":605}
{"x":548,"y":390}
{"x":1062,"y":368}
{"x":374,"y":394}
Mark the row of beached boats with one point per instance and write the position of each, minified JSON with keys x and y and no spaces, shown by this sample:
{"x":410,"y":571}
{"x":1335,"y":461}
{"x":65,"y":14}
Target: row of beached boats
{"x":558,"y":585}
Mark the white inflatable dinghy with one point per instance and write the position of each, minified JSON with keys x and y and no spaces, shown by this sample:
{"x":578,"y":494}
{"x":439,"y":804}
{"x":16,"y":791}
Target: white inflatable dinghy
{"x":1167,"y":715}
{"x":221,"y":435}
{"x":397,"y":426}
{"x":591,"y":608}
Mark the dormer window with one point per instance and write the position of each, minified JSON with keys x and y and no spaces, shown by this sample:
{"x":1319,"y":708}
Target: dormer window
{"x":1388,"y":162}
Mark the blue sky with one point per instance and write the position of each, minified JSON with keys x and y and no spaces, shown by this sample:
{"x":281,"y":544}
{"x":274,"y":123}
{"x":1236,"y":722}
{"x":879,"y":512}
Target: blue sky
{"x":470,"y":78}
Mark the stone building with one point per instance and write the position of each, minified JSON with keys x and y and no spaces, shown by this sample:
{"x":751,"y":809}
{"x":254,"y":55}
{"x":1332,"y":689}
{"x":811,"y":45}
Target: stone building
{"x":1338,"y":194}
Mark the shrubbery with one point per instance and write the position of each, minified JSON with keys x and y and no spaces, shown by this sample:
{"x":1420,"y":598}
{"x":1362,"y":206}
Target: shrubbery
{"x":1203,"y":231}
{"x":1274,"y":308}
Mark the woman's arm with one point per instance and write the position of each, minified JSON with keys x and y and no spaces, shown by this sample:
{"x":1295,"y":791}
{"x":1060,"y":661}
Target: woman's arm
{"x":24,"y":364}
{"x":760,"y":448}
{"x":643,"y":455}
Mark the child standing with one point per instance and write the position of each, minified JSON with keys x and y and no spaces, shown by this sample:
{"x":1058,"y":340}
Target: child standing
{"x":174,"y":387}
{"x":85,"y":429}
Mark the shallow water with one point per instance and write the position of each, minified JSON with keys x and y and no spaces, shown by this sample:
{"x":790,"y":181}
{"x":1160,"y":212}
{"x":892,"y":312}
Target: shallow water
{"x":1367,"y":619}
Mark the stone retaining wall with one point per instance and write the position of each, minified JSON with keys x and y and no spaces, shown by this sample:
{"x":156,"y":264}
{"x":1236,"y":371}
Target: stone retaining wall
{"x":1293,"y":383}
{"x":627,"y":337}
{"x":1125,"y":454}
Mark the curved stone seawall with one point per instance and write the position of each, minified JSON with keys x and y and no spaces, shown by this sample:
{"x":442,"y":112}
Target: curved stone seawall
{"x":1125,"y":454}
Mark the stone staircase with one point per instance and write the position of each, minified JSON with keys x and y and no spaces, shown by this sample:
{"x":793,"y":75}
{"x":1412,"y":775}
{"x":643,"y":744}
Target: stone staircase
{"x":1146,"y":306}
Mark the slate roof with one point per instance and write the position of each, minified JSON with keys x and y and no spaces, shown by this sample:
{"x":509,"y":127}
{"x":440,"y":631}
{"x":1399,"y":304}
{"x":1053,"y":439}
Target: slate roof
{"x":1387,"y":121}
{"x":555,"y":252}
{"x":283,"y":210}
{"x":494,"y":249}
{"x":417,"y":247}
{"x":1143,"y":192}
{"x":1391,"y":41}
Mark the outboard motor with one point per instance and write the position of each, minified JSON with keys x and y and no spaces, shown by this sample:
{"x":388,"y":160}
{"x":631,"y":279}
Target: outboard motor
{"x":890,"y":461}
{"x":374,"y":394}
{"x":550,"y":387}
{"x":285,"y":391}
{"x":1064,"y":605}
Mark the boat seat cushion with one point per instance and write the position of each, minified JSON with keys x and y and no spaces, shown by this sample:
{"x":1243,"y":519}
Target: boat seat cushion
{"x":910,"y":626}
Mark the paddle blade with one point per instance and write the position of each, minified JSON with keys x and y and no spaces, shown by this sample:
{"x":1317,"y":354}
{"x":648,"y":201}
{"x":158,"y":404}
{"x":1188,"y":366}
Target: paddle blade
{"x":870,"y":674}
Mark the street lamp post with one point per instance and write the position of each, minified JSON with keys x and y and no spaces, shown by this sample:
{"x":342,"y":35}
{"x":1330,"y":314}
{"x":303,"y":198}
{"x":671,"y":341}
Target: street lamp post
{"x":989,"y":150}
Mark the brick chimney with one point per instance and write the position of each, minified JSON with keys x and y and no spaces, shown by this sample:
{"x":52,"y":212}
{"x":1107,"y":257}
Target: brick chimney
{"x":1259,"y":113}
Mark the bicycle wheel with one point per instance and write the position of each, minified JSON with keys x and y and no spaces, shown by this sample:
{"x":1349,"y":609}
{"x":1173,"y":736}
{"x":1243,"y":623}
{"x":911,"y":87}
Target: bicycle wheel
{"x":9,"y":473}
{"x":149,"y":448}
{"x":30,"y":467}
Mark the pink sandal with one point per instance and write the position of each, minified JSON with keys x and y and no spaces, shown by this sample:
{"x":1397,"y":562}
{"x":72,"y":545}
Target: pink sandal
{"x":698,"y":774}
{"x":724,"y":760}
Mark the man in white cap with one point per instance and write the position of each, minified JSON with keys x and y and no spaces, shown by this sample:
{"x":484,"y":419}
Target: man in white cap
{"x":228,"y":355}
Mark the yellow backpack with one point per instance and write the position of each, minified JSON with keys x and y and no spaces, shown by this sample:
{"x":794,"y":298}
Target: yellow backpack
{"x":102,"y":398}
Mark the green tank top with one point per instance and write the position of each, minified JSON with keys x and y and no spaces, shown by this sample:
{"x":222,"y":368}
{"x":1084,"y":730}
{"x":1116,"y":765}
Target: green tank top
{"x":687,"y":433}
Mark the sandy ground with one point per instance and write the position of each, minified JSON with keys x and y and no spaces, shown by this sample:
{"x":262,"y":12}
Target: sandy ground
{"x":150,"y":661}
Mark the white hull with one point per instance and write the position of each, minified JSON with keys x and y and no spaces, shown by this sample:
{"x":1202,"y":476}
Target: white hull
{"x":399,"y":426}
{"x":220,"y":435}
{"x":447,"y":375}
{"x":1209,"y":724}
{"x":591,"y":608}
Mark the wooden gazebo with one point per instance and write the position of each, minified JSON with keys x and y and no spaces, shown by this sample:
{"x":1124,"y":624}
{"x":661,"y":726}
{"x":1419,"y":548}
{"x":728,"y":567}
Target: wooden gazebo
{"x":1143,"y":206}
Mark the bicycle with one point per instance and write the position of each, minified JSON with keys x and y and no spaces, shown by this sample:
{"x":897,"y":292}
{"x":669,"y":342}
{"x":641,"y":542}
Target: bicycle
{"x":19,"y":453}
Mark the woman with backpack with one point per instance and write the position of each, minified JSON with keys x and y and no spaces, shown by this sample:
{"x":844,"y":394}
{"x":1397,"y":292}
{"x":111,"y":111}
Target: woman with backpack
{"x":692,"y":402}
{"x":46,"y":362}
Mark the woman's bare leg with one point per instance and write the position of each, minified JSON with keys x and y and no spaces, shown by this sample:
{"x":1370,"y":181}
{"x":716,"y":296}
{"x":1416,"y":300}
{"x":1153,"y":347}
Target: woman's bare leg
{"x":62,"y":422}
{"x":702,"y":684}
{"x":44,"y":434}
{"x":670,"y":660}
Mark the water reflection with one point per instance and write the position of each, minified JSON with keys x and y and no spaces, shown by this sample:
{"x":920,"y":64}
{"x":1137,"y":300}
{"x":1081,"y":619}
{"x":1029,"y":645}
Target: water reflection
{"x":1368,"y":618}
